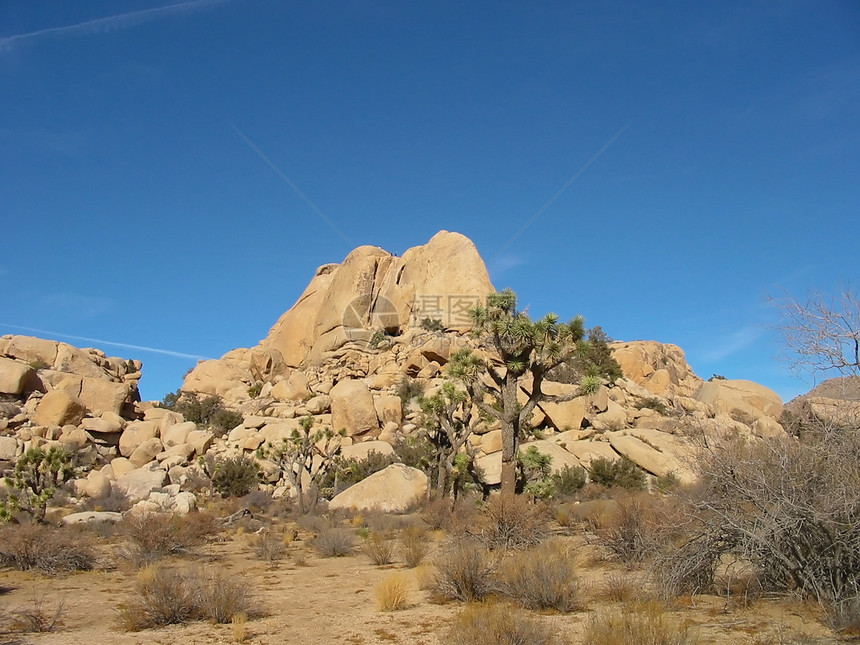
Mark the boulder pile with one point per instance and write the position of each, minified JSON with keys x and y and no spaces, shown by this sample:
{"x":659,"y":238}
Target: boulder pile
{"x":363,"y":340}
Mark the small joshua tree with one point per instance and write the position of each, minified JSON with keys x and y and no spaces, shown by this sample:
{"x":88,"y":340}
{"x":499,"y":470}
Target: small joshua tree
{"x":34,"y":481}
{"x":448,"y":426}
{"x":304,"y":459}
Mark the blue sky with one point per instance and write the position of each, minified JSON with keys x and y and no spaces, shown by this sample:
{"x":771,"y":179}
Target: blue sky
{"x":136,"y":206}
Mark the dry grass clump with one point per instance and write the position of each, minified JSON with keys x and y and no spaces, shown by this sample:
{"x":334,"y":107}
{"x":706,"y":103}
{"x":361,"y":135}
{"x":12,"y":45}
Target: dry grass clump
{"x":45,"y":549}
{"x":392,"y":593}
{"x":152,"y":536}
{"x":620,"y":587}
{"x":542,"y":578}
{"x":379,"y":548}
{"x":166,"y":596}
{"x":510,"y":522}
{"x":413,"y":545}
{"x":643,"y":623}
{"x":465,"y":572}
{"x":334,"y":543}
{"x":500,"y":624}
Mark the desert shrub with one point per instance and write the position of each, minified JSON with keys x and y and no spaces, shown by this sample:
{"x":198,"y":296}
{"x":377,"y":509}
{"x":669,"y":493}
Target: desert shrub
{"x":542,"y":578}
{"x":236,"y":476}
{"x":162,"y":597}
{"x":534,"y":468}
{"x":45,"y":549}
{"x":593,"y":360}
{"x":115,"y":502}
{"x":379,"y":548}
{"x":218,"y":595}
{"x":345,"y":472}
{"x":618,"y":473}
{"x":652,"y":403}
{"x":152,"y":536}
{"x":334,"y":543}
{"x":789,"y":507}
{"x":268,"y":546}
{"x":438,"y":513}
{"x":37,"y":475}
{"x":416,"y":451}
{"x":432,"y":324}
{"x":631,"y":530}
{"x":499,"y":624}
{"x":167,"y":596}
{"x":209,"y":412}
{"x":413,"y":546}
{"x":34,"y":617}
{"x":465,"y":572}
{"x":409,"y":389}
{"x":641,"y":623}
{"x":568,"y":481}
{"x":392,"y":593}
{"x":510,"y":522}
{"x":621,"y":587}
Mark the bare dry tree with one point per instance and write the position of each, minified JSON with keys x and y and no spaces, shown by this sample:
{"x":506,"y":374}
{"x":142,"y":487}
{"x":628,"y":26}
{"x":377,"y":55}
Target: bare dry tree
{"x":821,"y":334}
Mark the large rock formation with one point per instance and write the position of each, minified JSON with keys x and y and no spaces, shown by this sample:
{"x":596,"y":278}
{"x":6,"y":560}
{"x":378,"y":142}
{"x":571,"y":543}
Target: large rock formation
{"x":370,"y":294}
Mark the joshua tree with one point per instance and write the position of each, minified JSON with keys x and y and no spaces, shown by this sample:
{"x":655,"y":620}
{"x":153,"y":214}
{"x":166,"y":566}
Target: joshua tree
{"x":448,"y":426}
{"x":520,"y":347}
{"x":304,"y":458}
{"x":37,"y":475}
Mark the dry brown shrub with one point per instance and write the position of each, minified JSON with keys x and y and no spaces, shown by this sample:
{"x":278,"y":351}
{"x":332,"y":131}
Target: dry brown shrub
{"x":219,"y":596}
{"x":644,"y":623}
{"x":268,"y":546}
{"x":499,"y":624}
{"x":465,"y":572}
{"x":166,"y":596}
{"x":379,"y":548}
{"x":392,"y":593}
{"x":621,"y":587}
{"x":152,"y":536}
{"x":542,"y":578}
{"x":35,"y":617}
{"x":45,"y":549}
{"x":413,"y":545}
{"x":510,"y":522}
{"x":163,"y":597}
{"x":334,"y":543}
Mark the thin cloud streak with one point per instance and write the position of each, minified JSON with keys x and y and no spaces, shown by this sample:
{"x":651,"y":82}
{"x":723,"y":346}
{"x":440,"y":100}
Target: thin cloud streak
{"x":100,"y":341}
{"x":738,"y":341}
{"x":105,"y":24}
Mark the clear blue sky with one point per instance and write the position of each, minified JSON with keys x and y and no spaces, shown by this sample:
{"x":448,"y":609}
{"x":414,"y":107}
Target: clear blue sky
{"x":134,"y":211}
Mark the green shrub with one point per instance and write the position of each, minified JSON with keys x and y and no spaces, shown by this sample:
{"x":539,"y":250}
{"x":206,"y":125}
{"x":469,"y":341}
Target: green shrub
{"x":236,"y":476}
{"x":534,"y":473}
{"x":209,"y":412}
{"x":617,"y":473}
{"x":569,"y":480}
{"x":409,"y":389}
{"x":652,"y":403}
{"x":345,"y":472}
{"x":432,"y":324}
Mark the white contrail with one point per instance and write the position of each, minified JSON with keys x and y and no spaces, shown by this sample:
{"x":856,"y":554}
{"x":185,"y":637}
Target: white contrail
{"x":141,"y":348}
{"x":561,"y":190}
{"x":105,"y":24}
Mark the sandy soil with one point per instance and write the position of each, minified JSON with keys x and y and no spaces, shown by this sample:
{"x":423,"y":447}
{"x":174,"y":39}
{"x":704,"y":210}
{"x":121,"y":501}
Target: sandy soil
{"x":331,"y":600}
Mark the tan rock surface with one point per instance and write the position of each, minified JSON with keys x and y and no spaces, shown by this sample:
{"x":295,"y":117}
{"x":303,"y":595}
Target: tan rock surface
{"x":394,"y":489}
